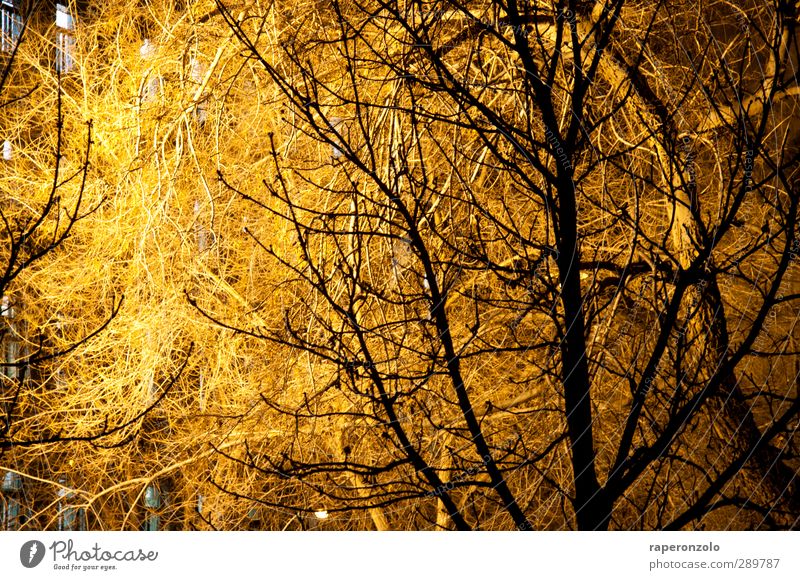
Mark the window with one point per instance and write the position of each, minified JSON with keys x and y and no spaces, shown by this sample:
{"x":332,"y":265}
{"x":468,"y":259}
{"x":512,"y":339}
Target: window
{"x":10,"y":344}
{"x":200,"y":230}
{"x":5,"y":308}
{"x":70,"y":518}
{"x":152,"y":503}
{"x":65,"y":42}
{"x":10,"y":509}
{"x":254,"y":517}
{"x":11,"y":25}
{"x":12,"y":359}
{"x":197,"y":71}
{"x":11,"y":514}
{"x":152,"y":85}
{"x":336,"y":126}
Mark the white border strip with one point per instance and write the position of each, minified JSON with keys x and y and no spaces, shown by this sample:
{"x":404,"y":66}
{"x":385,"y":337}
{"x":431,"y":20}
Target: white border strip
{"x":401,"y":555}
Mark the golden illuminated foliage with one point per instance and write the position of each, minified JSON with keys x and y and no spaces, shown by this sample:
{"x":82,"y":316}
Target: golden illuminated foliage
{"x":404,"y":263}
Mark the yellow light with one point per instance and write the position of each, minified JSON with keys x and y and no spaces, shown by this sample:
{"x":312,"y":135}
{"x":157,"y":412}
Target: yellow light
{"x":321,"y":515}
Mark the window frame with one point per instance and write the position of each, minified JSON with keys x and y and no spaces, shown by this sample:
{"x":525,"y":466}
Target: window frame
{"x":65,"y":39}
{"x":10,"y":25}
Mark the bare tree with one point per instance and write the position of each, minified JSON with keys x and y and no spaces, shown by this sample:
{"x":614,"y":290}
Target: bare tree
{"x":486,"y":265}
{"x":539,"y":258}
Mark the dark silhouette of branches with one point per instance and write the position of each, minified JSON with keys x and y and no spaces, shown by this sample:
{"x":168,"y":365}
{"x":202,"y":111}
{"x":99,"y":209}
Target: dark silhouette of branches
{"x":575,"y":208}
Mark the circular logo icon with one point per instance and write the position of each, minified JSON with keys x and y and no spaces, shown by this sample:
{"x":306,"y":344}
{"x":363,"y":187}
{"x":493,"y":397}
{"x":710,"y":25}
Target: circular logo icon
{"x":31,"y":553}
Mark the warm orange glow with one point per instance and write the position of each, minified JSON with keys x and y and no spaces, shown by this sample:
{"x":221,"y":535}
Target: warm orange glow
{"x":410,"y":266}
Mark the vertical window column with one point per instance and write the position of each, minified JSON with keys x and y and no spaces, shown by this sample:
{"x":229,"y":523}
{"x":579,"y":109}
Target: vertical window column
{"x":197,"y":71}
{"x":11,"y":354}
{"x":199,"y":229}
{"x":65,"y":41}
{"x":11,"y":506}
{"x":152,"y":503}
{"x":70,"y":518}
{"x":152,"y":85}
{"x":11,"y":25}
